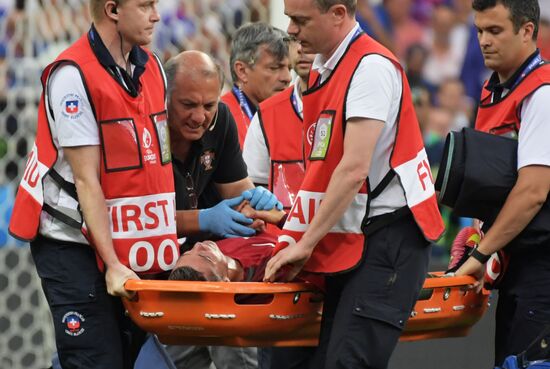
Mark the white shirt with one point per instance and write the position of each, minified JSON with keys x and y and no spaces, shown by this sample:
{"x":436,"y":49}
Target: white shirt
{"x":533,"y":148}
{"x":73,"y":124}
{"x":375,"y":93}
{"x":255,"y":153}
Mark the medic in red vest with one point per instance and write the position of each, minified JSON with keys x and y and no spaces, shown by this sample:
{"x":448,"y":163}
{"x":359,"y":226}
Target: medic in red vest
{"x":135,"y":166}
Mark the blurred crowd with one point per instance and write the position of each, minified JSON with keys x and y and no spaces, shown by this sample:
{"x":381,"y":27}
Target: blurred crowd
{"x":435,"y":40}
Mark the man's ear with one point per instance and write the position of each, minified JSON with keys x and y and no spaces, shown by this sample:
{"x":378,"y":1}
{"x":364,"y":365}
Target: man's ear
{"x":240,"y":69}
{"x":528,"y":29}
{"x":111,"y":10}
{"x":339,"y":13}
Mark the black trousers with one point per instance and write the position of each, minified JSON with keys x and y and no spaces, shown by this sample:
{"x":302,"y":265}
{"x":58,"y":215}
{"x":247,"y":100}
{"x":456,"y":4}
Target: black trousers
{"x":366,"y":309}
{"x":91,"y":329}
{"x":523,"y":309}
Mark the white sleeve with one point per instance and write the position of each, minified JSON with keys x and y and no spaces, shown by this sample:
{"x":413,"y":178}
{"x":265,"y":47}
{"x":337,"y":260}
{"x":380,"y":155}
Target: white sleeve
{"x":533,"y":147}
{"x":374,"y":90}
{"x":74,"y":121}
{"x":255,"y":153}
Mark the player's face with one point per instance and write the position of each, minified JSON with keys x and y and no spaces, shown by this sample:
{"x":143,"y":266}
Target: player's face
{"x":136,"y":20}
{"x":192,"y":106}
{"x":503,"y":48}
{"x":206,"y":258}
{"x":307,"y":24}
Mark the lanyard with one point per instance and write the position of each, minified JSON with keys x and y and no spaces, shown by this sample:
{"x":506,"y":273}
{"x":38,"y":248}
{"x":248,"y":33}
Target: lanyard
{"x":294,"y":102}
{"x":243,"y":102}
{"x":535,"y":62}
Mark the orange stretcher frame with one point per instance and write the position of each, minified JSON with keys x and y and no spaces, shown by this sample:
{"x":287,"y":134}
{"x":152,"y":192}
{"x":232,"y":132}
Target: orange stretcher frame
{"x":205,"y":313}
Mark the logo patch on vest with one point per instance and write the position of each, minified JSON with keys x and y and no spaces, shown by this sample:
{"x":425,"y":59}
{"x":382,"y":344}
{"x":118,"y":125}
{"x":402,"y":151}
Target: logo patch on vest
{"x":323,"y":132}
{"x":311,"y":133}
{"x":71,"y":106}
{"x":147,"y":143}
{"x":207,"y":158}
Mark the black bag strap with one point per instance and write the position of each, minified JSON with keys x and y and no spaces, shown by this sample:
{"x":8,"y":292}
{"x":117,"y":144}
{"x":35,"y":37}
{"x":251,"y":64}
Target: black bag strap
{"x":61,"y":216}
{"x":382,"y":185}
{"x":65,"y":185}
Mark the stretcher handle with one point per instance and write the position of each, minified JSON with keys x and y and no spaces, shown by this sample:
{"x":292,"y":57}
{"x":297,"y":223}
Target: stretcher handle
{"x":218,"y":287}
{"x":438,"y":279}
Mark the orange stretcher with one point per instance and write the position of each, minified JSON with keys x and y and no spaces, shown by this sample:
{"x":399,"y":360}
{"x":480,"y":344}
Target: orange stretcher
{"x":288,"y":314}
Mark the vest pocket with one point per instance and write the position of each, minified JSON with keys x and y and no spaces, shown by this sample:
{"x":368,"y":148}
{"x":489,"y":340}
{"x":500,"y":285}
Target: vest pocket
{"x":120,"y":144}
{"x":286,"y":178}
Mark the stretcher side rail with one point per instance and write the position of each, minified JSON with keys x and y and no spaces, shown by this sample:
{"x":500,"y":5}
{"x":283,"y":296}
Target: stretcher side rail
{"x":282,"y":314}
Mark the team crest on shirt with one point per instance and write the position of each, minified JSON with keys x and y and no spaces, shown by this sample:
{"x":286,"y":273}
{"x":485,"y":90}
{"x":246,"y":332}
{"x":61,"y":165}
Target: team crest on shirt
{"x":71,"y":106}
{"x":207,"y":159}
{"x":73,"y":323}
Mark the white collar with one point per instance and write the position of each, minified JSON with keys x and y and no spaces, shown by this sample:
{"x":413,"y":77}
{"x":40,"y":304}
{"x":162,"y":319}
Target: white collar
{"x":321,"y":65}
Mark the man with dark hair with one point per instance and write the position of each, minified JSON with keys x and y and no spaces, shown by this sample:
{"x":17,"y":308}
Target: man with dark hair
{"x":514,"y":103}
{"x":234,"y":259}
{"x":273,"y":149}
{"x":259,"y":68}
{"x":366,"y":207}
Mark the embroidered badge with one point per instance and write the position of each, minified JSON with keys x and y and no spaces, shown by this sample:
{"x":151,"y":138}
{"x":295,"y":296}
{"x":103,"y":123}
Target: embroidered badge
{"x":207,"y":158}
{"x":321,"y":139}
{"x":73,"y":323}
{"x":71,"y":106}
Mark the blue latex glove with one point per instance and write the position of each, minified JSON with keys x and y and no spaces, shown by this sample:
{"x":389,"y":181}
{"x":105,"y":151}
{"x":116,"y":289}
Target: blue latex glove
{"x":261,"y":198}
{"x":224,"y":221}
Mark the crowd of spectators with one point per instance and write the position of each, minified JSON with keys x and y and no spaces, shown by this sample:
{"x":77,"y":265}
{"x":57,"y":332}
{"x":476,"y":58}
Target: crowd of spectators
{"x":434,"y":39}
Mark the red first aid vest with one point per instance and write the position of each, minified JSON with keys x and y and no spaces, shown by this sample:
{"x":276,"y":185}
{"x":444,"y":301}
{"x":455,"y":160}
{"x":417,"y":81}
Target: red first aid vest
{"x":283,"y":131}
{"x":135,"y":166}
{"x":240,"y":117}
{"x":503,"y":118}
{"x":324,"y":122}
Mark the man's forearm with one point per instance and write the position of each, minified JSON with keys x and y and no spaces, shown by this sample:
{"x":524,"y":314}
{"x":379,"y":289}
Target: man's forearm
{"x":523,"y":203}
{"x":92,"y":203}
{"x":234,"y":189}
{"x":187,"y":222}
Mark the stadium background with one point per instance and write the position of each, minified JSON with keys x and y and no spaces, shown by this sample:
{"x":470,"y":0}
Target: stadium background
{"x":33,"y":32}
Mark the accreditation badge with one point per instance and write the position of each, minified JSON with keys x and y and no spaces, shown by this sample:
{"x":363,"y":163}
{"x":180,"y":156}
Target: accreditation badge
{"x":323,"y":132}
{"x":160,"y":122}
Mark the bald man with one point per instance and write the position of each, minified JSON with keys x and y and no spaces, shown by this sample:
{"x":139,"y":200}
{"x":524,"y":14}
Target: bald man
{"x":210,"y":178}
{"x":209,"y":171}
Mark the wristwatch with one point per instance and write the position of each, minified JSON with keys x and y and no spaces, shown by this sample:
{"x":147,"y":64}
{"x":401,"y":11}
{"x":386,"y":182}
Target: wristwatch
{"x":479,"y":256}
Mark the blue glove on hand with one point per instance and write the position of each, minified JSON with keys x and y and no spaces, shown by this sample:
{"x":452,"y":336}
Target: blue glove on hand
{"x":261,"y":198}
{"x":223,"y":221}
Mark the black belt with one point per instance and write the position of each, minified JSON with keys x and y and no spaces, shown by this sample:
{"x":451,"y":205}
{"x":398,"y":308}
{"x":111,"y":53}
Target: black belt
{"x":377,"y":222}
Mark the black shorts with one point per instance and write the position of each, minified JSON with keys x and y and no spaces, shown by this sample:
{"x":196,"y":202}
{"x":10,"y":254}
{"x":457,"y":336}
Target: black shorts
{"x":91,"y":329}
